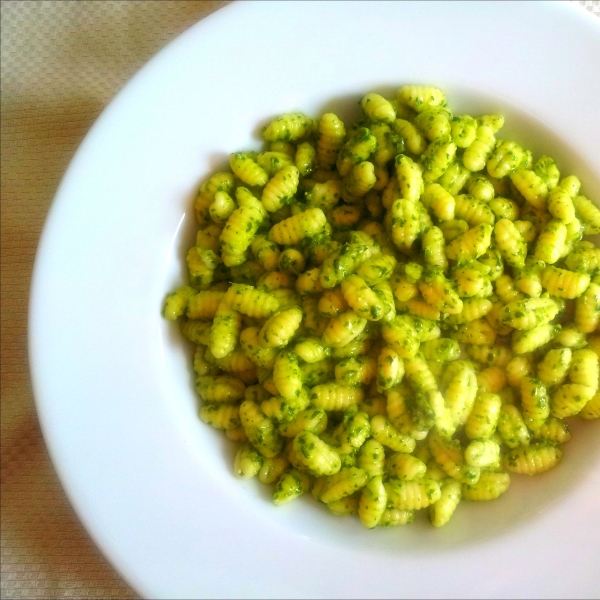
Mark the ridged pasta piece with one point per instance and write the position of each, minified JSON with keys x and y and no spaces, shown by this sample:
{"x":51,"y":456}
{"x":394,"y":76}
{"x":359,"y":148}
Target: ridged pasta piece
{"x":280,"y":189}
{"x":260,"y":430}
{"x":333,"y":396}
{"x":463,"y":130}
{"x":470,"y":280}
{"x":552,"y":369}
{"x":286,"y":375}
{"x":454,"y":178}
{"x":421,"y":98}
{"x":352,"y":432}
{"x":356,"y":370}
{"x":377,"y":269}
{"x":410,"y":177}
{"x":587,"y":309}
{"x":361,"y":298}
{"x":591,"y":410}
{"x":535,"y":403}
{"x":530,"y":313}
{"x":196,"y":331}
{"x":551,"y":241}
{"x":405,"y":467}
{"x":342,"y":329}
{"x":201,"y":265}
{"x":526,"y":341}
{"x":441,"y":349}
{"x":588,"y":213}
{"x":330,"y":139}
{"x":439,"y":292}
{"x":512,"y":428}
{"x":325,"y":195}
{"x":203,"y":305}
{"x":220,"y":416}
{"x":492,"y":379}
{"x":248,"y":461}
{"x":477,"y":332}
{"x":480,"y":187}
{"x":434,"y":124}
{"x":240,"y":229}
{"x":247,"y":169}
{"x":439,"y":201}
{"x":570,"y":337}
{"x":532,"y":459}
{"x":560,"y":205}
{"x":564,"y":283}
{"x":413,"y":139}
{"x":305,"y":159}
{"x":585,"y":368}
{"x":510,"y":243}
{"x":491,"y":485}
{"x":483,"y":453}
{"x":405,"y":224}
{"x":310,"y":419}
{"x":554,"y":431}
{"x":292,"y":484}
{"x":502,"y":208}
{"x":412,"y":495}
{"x":305,"y":224}
{"x":356,"y":150}
{"x":385,"y":433}
{"x":218,"y":182}
{"x":280,"y":328}
{"x":449,"y":456}
{"x":546,"y":168}
{"x":177,"y":302}
{"x":272,"y":162}
{"x":460,"y":393}
{"x":398,"y":414}
{"x":506,"y":158}
{"x":470,"y":245}
{"x":434,"y":248}
{"x":377,"y":108}
{"x":392,"y":517}
{"x":441,"y":511}
{"x":359,"y":181}
{"x":483,"y":418}
{"x":225,"y":330}
{"x":373,"y":502}
{"x":401,"y":336}
{"x":493,"y":356}
{"x":437,"y":158}
{"x":474,"y":212}
{"x":344,"y":262}
{"x":288,"y":128}
{"x":531,"y":187}
{"x":371,"y":458}
{"x":476,"y":155}
{"x":250,"y":301}
{"x":584,"y":260}
{"x":272,"y":469}
{"x":315,"y":455}
{"x":261,"y":356}
{"x":345,"y":482}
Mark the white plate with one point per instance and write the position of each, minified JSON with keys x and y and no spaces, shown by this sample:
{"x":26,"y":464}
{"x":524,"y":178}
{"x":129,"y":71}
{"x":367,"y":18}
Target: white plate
{"x":151,"y":483}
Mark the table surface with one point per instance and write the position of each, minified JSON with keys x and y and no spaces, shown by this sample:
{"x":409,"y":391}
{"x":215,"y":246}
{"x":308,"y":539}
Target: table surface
{"x":62,"y":62}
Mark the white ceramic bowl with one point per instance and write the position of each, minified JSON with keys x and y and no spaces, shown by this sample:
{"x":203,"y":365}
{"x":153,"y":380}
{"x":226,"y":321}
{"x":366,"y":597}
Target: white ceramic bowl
{"x":152,"y":484}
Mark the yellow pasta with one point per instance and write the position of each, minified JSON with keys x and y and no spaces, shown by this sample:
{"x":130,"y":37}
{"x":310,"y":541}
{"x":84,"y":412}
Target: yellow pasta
{"x":533,"y":459}
{"x":387,"y":312}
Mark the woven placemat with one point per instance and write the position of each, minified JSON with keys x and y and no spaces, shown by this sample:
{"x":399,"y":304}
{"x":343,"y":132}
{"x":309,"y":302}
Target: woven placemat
{"x":61,"y":64}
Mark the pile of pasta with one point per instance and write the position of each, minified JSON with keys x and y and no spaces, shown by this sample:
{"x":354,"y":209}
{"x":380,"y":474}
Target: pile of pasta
{"x":393,"y":315}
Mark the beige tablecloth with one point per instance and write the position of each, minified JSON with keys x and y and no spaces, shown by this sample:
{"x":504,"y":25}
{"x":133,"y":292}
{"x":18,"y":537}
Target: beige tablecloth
{"x":61,"y":64}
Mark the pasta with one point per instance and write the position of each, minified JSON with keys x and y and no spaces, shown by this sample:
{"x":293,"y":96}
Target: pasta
{"x":392,"y":315}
